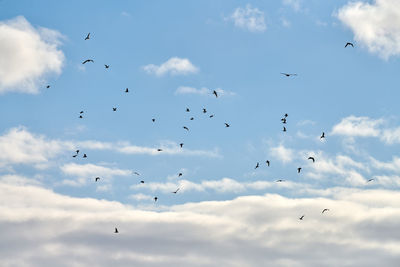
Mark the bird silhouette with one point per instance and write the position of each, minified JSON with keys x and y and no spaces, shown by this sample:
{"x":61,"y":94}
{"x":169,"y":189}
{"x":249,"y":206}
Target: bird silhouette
{"x":324,"y":210}
{"x":153,"y":120}
{"x":191,"y":118}
{"x":348,"y":43}
{"x":176,"y":191}
{"x":81,"y":112}
{"x":96,"y":179}
{"x":227,"y":125}
{"x":301,"y":218}
{"x":126,"y":90}
{"x":204,"y":110}
{"x":180,"y":174}
{"x":258,"y":165}
{"x":283,"y":120}
{"x":155,"y":199}
{"x":286,"y":115}
{"x":215,"y":93}
{"x":80,"y":117}
{"x":289,"y":74}
{"x":267,"y":163}
{"x":114,"y":109}
{"x":142,"y":182}
{"x":280,"y":180}
{"x":159,"y":149}
{"x":87,"y":36}
{"x":312,"y":158}
{"x":186,"y":128}
{"x":370,"y":180}
{"x":136,"y":173}
{"x":84,"y":156}
{"x":77,"y":151}
{"x":48,"y":86}
{"x":211,"y":116}
{"x":322,"y":135}
{"x":284,"y":129}
{"x":116,"y":230}
{"x":88,"y":60}
{"x":181,"y":145}
{"x":298,"y":170}
{"x":74,"y":156}
{"x":187,"y":110}
{"x":106,"y":66}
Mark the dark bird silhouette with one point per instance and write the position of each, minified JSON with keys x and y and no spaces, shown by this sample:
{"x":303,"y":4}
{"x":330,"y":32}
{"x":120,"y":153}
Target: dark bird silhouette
{"x":267,"y":163}
{"x":88,"y":60}
{"x":258,"y":165}
{"x":96,"y":179}
{"x":298,"y":170}
{"x":155,"y":199}
{"x":176,"y":191}
{"x":186,"y":128}
{"x":204,"y":110}
{"x":84,"y":156}
{"x":74,"y":156}
{"x":80,"y":117}
{"x":77,"y":151}
{"x":286,"y":115}
{"x":227,"y":125}
{"x":283,"y":120}
{"x":370,"y":180}
{"x":153,"y":120}
{"x":191,"y":118}
{"x":136,"y":173}
{"x":289,"y":74}
{"x":116,"y":230}
{"x":126,"y":90}
{"x":347,"y":44}
{"x":312,"y":158}
{"x":215,"y":93}
{"x":322,"y":135}
{"x":181,"y":145}
{"x":211,"y":116}
{"x":48,"y":86}
{"x":114,"y":109}
{"x":324,"y":210}
{"x":301,"y":218}
{"x":187,"y":110}
{"x":159,"y":150}
{"x":180,"y":174}
{"x":284,"y":129}
{"x":142,"y":182}
{"x":106,"y":66}
{"x":81,"y":112}
{"x":280,"y":180}
{"x":87,"y":36}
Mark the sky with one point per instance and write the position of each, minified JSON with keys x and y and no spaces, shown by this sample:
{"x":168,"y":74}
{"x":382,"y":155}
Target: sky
{"x":172,"y":56}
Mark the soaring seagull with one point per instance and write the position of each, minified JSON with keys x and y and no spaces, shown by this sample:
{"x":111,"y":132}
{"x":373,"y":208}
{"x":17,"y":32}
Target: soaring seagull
{"x":88,"y":60}
{"x":87,"y":36}
{"x":348,"y":43}
{"x":312,"y":158}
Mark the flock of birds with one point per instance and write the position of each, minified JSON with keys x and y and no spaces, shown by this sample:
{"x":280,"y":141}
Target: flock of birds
{"x":227,"y":125}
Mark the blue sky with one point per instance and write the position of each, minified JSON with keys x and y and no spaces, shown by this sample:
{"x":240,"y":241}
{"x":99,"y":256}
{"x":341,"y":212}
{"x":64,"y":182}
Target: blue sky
{"x":172,"y":55}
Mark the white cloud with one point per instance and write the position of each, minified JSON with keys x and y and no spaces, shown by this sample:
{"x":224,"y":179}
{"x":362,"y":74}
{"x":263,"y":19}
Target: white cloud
{"x":173,"y":66}
{"x":358,"y":126}
{"x":282,"y":153}
{"x":295,"y":4}
{"x":141,"y":197}
{"x":27,"y":55}
{"x":42,"y":228}
{"x":391,"y":136}
{"x":185,"y":90}
{"x":249,"y":18}
{"x":375,"y":25}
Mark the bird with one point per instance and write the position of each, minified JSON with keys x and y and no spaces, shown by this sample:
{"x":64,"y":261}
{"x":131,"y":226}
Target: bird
{"x":322,"y":135}
{"x":153,"y":120}
{"x":258,"y":165}
{"x":84,"y":156}
{"x":77,"y":151}
{"x":80,"y":117}
{"x":211,"y":116}
{"x":96,"y":179}
{"x":286,"y":115}
{"x":81,"y":112}
{"x":227,"y":125}
{"x":204,"y":110}
{"x":74,"y":156}
{"x":159,"y":149}
{"x":289,"y":74}
{"x":187,"y":110}
{"x":181,"y":145}
{"x":87,"y":36}
{"x":114,"y":109}
{"x":116,"y":230}
{"x":142,"y":182}
{"x":88,"y":60}
{"x":283,"y":120}
{"x":136,"y":173}
{"x":280,"y":180}
{"x":298,"y":169}
{"x":370,"y":180}
{"x":106,"y":66}
{"x":176,"y":191}
{"x":126,"y":90}
{"x":267,"y":163}
{"x":215,"y":93}
{"x":312,"y":158}
{"x":324,"y":210}
{"x":301,"y":218}
{"x":48,"y":86}
{"x":155,"y":199}
{"x":348,"y":43}
{"x":191,"y":118}
{"x":186,"y":128}
{"x":284,"y":129}
{"x":180,"y":174}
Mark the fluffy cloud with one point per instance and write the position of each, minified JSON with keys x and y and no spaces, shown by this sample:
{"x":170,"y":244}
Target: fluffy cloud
{"x":173,"y":66}
{"x":186,"y":90}
{"x":42,"y":228}
{"x":249,"y":18}
{"x":27,"y":55}
{"x":358,"y":126}
{"x":375,"y":25}
{"x":282,"y":153}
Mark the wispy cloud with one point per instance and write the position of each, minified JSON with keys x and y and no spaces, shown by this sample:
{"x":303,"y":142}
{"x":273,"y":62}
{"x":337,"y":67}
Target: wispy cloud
{"x":282,"y":153}
{"x":295,"y":4}
{"x":186,"y":90}
{"x":173,"y":66}
{"x":251,"y":19}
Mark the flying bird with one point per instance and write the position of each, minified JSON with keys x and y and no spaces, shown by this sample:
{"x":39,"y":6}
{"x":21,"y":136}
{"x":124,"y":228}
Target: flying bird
{"x":153,"y":120}
{"x":96,"y":179}
{"x":312,"y":158}
{"x":286,"y":115}
{"x":116,"y":230}
{"x":74,"y":156}
{"x":186,"y":128}
{"x":80,"y":117}
{"x":289,"y":74}
{"x":283,"y":120}
{"x":204,"y":110}
{"x":211,"y":116}
{"x":48,"y":86}
{"x":159,"y":149}
{"x":155,"y":199}
{"x":348,"y":43}
{"x":106,"y":66}
{"x":187,"y":110}
{"x":77,"y":151}
{"x":324,"y":210}
{"x":258,"y":165}
{"x":88,"y":60}
{"x":142,"y":182}
{"x":181,"y":145}
{"x":370,"y":180}
{"x":227,"y":125}
{"x":180,"y":174}
{"x":280,"y":180}
{"x":136,"y":173}
{"x":81,"y":112}
{"x":322,"y":135}
{"x":191,"y":118}
{"x":176,"y":191}
{"x":126,"y":90}
{"x":298,"y":170}
{"x":87,"y":36}
{"x":267,"y":163}
{"x":301,"y":218}
{"x":284,"y":129}
{"x":84,"y":156}
{"x":114,"y":109}
{"x":215,"y":93}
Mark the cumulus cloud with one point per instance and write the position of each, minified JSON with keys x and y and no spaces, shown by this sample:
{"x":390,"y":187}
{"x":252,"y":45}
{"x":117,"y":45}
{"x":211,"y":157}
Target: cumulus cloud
{"x":358,"y":126}
{"x":173,"y":66}
{"x":375,"y":24}
{"x":251,"y":19}
{"x":28,"y":55}
{"x":42,"y":228}
{"x":186,"y":90}
{"x":282,"y":153}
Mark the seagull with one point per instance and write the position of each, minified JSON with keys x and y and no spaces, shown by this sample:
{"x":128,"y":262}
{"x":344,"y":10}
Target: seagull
{"x":215,"y":93}
{"x":322,"y":135}
{"x":176,"y":191}
{"x":280,"y":180}
{"x":267,"y":163}
{"x":88,"y":60}
{"x":312,"y":158}
{"x":289,"y":74}
{"x":284,"y":129}
{"x":286,"y":115}
{"x":48,"y":86}
{"x":347,"y":44}
{"x":301,"y":218}
{"x":114,"y":109}
{"x":136,"y":173}
{"x":187,"y":110}
{"x":155,"y":199}
{"x":227,"y":125}
{"x":74,"y":156}
{"x":180,"y":174}
{"x":204,"y":110}
{"x":142,"y":182}
{"x":186,"y":128}
{"x":126,"y":90}
{"x":96,"y":179}
{"x":324,"y":210}
{"x":116,"y":230}
{"x":153,"y":120}
{"x":80,"y":117}
{"x":77,"y":151}
{"x":159,"y":150}
{"x":211,"y":115}
{"x":370,"y":180}
{"x":181,"y":145}
{"x":298,"y":170}
{"x":81,"y":112}
{"x":258,"y":165}
{"x":191,"y":118}
{"x":283,"y":120}
{"x":87,"y":36}
{"x":106,"y":66}
{"x":84,"y":156}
